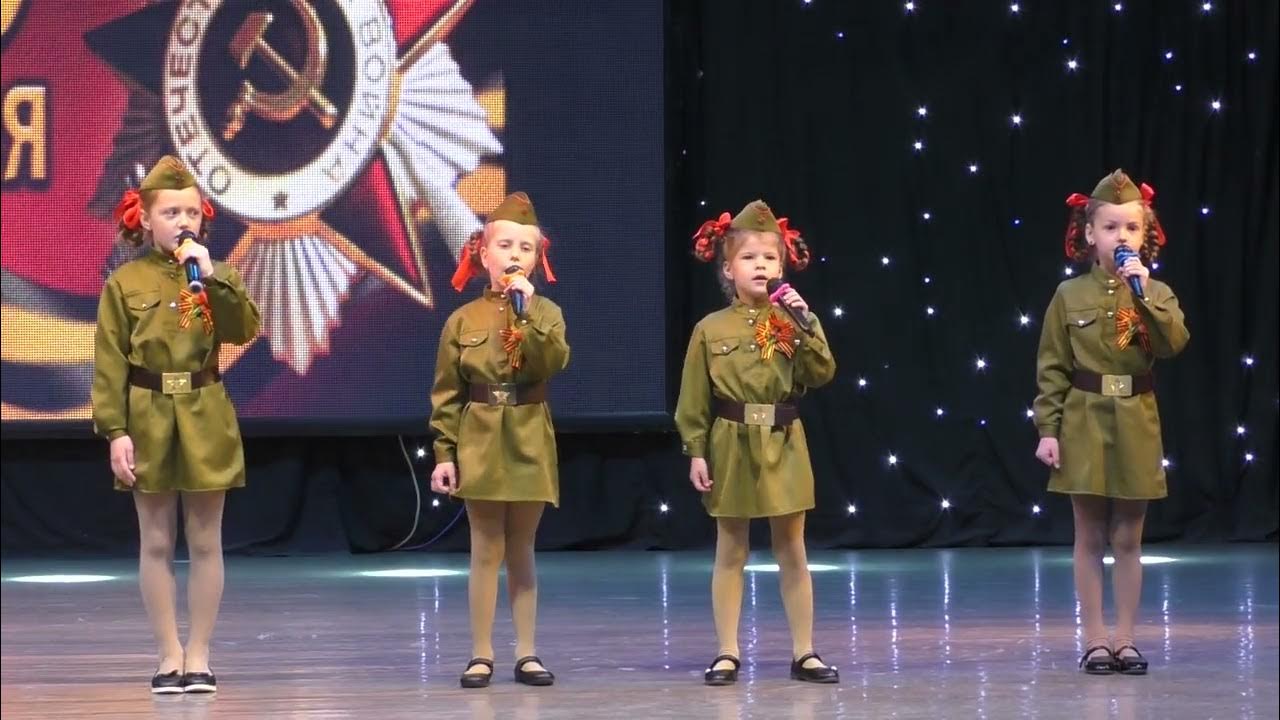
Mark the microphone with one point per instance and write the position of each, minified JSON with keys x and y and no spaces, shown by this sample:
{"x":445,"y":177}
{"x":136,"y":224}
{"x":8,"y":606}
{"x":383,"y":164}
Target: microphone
{"x":517,"y":298}
{"x":194,"y":283}
{"x":777,"y":289}
{"x":1123,"y":253}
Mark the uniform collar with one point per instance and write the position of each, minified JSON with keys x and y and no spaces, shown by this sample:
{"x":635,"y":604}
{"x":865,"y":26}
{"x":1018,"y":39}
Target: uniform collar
{"x":751,"y":310}
{"x":1103,"y":278}
{"x":160,"y":257}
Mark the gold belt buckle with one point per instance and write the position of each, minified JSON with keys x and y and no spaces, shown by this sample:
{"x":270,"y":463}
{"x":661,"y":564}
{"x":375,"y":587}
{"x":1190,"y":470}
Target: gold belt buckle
{"x":176,"y":383}
{"x":1117,"y":385}
{"x":757,"y":414}
{"x":502,"y":394}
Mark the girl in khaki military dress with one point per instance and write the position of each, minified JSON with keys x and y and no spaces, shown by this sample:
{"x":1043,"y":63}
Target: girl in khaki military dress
{"x":158,"y":397}
{"x":746,"y":367}
{"x":495,"y":446}
{"x":1096,"y":409}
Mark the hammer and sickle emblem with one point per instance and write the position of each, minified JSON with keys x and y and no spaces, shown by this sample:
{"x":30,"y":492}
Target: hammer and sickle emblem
{"x":304,"y":84}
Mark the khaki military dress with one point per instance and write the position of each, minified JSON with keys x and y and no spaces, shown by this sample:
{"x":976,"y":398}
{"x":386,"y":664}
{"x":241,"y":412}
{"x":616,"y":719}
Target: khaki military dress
{"x":756,"y":470}
{"x":503,"y":452}
{"x":189,"y":441}
{"x":1109,"y":444}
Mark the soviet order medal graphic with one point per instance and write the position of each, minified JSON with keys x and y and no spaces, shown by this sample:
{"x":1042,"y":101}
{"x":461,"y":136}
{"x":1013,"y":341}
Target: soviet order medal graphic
{"x":306,"y":121}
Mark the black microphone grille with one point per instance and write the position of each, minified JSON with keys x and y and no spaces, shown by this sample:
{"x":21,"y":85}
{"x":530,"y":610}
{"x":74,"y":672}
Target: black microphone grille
{"x":773,"y":284}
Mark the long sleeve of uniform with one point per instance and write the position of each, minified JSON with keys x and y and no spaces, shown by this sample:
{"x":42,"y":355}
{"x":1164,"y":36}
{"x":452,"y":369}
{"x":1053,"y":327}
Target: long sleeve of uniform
{"x":815,"y":365}
{"x":183,"y":441}
{"x":504,"y":452}
{"x":693,"y":409}
{"x":1168,"y":329}
{"x":545,"y":350}
{"x":110,"y":390}
{"x":235,"y":314}
{"x":448,"y":393}
{"x":1054,"y":365}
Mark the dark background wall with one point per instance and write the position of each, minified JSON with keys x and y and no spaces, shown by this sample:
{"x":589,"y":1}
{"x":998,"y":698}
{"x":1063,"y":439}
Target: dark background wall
{"x":817,"y":108}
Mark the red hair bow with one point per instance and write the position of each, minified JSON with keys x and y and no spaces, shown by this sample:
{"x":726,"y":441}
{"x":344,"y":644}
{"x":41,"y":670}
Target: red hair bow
{"x":129,"y":209}
{"x":546,"y":264}
{"x":1149,"y":194}
{"x":798,"y":257}
{"x":711,"y":231}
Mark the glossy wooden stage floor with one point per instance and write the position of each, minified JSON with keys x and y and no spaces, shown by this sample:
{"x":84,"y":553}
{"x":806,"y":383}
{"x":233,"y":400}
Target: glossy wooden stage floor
{"x":978,"y":633}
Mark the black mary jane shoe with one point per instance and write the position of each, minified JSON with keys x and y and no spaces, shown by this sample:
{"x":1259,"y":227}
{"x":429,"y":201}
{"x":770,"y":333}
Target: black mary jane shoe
{"x":716,"y":677}
{"x":824,"y":674}
{"x":169,"y":683}
{"x":1099,"y":665}
{"x":537,"y":678}
{"x":199,"y":682}
{"x":477,"y":680}
{"x":1134,"y":664}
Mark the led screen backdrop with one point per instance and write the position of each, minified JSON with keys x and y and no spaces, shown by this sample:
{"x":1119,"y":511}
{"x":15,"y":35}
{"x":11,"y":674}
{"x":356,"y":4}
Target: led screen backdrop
{"x":349,"y":148}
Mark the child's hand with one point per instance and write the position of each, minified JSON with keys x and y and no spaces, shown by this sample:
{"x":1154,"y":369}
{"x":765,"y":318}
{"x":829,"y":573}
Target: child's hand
{"x":792,"y":299}
{"x":1047,"y":452}
{"x":1133,"y":267}
{"x":699,"y":475}
{"x":122,"y":460}
{"x":200,"y":253}
{"x":444,"y":479}
{"x":520,"y":284}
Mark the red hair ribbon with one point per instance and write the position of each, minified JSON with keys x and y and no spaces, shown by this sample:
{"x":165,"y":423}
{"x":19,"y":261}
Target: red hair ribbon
{"x":799,"y":258}
{"x":1149,"y":194}
{"x":129,"y":209}
{"x":546,"y":263}
{"x":467,"y":260}
{"x":711,"y":231}
{"x":1074,"y":200}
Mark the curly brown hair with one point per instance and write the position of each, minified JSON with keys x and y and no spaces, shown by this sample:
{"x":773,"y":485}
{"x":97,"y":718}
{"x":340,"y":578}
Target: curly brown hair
{"x":1078,"y":249}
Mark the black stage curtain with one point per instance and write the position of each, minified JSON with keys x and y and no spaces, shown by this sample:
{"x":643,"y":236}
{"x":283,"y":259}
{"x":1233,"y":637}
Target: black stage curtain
{"x":816,"y":107}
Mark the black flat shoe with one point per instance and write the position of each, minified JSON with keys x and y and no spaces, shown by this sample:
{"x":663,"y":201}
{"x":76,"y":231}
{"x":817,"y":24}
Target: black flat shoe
{"x":199,"y":682}
{"x":1131,"y":665}
{"x":537,"y":678}
{"x":722,"y":677}
{"x":477,"y":680}
{"x":825,"y":674}
{"x":1100,"y":665}
{"x":169,"y":683}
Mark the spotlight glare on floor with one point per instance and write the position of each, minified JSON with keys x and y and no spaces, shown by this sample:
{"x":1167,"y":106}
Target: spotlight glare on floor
{"x":62,"y":578}
{"x":1146,"y":560}
{"x":412,"y":573}
{"x":773,"y":567}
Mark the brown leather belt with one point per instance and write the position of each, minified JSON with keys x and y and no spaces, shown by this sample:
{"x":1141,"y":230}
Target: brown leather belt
{"x":779,"y":415}
{"x":173,"y":383}
{"x":1113,"y":385}
{"x":509,"y":393}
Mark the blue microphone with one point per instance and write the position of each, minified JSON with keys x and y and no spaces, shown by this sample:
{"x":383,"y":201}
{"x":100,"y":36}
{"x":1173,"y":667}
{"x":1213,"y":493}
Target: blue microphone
{"x":1123,"y":253}
{"x":194,"y":283}
{"x":518,"y":300}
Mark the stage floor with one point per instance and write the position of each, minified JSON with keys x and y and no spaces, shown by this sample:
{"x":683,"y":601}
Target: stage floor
{"x":974,"y":633}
